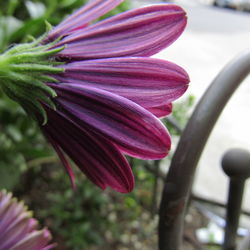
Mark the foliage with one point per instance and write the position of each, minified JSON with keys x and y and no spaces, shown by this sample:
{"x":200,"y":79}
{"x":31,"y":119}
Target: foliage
{"x":180,"y":114}
{"x":85,"y":217}
{"x":24,"y":18}
{"x":20,"y":142}
{"x":181,"y":110}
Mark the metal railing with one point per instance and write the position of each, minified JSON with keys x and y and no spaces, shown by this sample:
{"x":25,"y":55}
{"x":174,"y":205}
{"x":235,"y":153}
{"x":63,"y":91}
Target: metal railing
{"x":178,"y":182}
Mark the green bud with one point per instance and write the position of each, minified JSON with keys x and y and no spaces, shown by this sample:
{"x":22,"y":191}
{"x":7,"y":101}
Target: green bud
{"x":24,"y":71}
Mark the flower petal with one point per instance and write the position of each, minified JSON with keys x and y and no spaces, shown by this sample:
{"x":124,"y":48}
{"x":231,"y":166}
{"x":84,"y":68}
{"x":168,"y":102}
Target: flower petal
{"x":4,"y":203}
{"x":11,"y":213}
{"x":139,"y":32}
{"x":83,"y":16}
{"x":63,"y":160}
{"x":98,"y":158}
{"x":17,"y":231}
{"x":34,"y":240}
{"x":135,"y":130}
{"x":161,"y":111}
{"x":147,"y":81}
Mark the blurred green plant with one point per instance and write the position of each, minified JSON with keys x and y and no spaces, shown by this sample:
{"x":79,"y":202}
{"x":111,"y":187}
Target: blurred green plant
{"x":181,"y":110}
{"x":180,"y":115}
{"x":86,"y":217}
{"x":20,"y":19}
{"x":20,"y":141}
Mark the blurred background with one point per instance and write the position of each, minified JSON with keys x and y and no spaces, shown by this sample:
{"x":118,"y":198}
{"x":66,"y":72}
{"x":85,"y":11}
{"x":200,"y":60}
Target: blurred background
{"x":89,"y":218}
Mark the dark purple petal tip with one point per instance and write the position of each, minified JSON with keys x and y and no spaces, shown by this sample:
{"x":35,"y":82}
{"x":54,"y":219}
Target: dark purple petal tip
{"x":96,"y":156}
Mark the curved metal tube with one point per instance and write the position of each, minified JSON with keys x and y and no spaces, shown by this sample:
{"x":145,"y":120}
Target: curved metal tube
{"x":179,"y":179}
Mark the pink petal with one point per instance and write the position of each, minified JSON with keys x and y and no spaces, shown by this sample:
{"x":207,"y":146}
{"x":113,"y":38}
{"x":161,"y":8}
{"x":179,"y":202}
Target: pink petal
{"x":137,"y":132}
{"x":139,"y":32}
{"x":10,"y":215}
{"x":5,"y":199}
{"x":99,"y":159}
{"x":34,"y":240}
{"x":161,"y":111}
{"x":148,"y":82}
{"x":17,"y":232}
{"x":83,"y":16}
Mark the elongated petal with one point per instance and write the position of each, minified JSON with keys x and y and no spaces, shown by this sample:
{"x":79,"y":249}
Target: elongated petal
{"x":4,"y":202}
{"x":148,"y":82}
{"x":161,"y":111}
{"x":34,"y":240}
{"x":139,"y":32}
{"x":17,"y":232}
{"x":11,"y":213}
{"x":63,"y":160}
{"x":137,"y":132}
{"x":99,"y":159}
{"x":83,"y":16}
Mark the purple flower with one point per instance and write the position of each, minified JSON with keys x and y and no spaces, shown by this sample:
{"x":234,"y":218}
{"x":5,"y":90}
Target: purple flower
{"x":109,"y":93}
{"x":18,"y":230}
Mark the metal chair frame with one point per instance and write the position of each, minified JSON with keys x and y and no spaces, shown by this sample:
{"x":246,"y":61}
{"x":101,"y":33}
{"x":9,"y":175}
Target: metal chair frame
{"x":178,"y":182}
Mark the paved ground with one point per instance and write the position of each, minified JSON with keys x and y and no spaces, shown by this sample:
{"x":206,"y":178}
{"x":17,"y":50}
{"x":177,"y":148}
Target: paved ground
{"x":213,"y":37}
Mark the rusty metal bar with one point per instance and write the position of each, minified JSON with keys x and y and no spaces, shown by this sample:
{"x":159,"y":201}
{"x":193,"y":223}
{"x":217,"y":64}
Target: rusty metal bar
{"x":236,"y":165}
{"x":179,"y":179}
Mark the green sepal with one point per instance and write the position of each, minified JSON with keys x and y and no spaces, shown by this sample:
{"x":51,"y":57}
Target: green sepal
{"x":22,"y":95}
{"x":19,"y":48}
{"x":31,"y":83}
{"x":29,"y":56}
{"x":24,"y":71}
{"x":30,"y":107}
{"x":48,"y":79}
{"x":36,"y":68}
{"x":49,"y":27}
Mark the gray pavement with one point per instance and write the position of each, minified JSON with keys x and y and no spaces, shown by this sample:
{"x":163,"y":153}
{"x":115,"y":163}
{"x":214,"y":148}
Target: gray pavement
{"x":212,"y":38}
